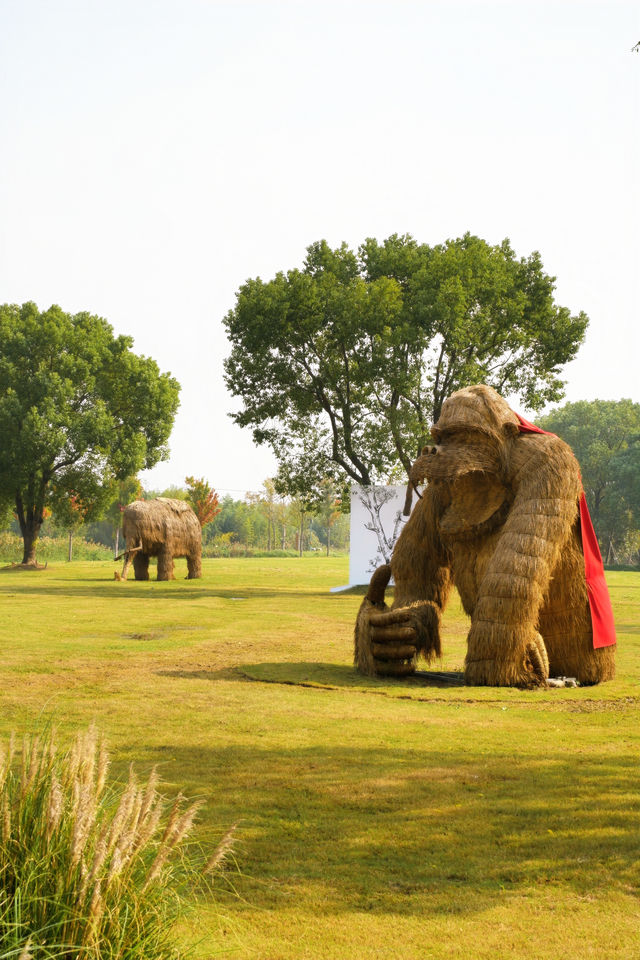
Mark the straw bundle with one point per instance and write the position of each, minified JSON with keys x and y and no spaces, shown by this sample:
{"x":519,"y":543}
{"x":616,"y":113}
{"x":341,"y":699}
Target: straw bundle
{"x":500,"y":519}
{"x":162,"y":528}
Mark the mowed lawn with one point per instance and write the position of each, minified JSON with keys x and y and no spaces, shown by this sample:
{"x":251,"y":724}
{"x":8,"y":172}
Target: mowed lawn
{"x":376,"y":820}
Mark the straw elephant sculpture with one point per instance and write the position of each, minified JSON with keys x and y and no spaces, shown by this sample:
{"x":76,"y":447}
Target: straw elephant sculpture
{"x":162,"y":528}
{"x":500,"y":519}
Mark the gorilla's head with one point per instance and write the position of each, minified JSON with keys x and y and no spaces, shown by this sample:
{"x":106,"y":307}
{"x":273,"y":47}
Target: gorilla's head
{"x":470,"y":435}
{"x":468,"y":466}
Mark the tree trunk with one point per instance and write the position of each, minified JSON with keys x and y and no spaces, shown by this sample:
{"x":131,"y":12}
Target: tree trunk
{"x":284,"y":536}
{"x":30,"y":519}
{"x":69,"y":558}
{"x":328,"y":538}
{"x":117,"y":540}
{"x":29,"y":537}
{"x":301,"y":534}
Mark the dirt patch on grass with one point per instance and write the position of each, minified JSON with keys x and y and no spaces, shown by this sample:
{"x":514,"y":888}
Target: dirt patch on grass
{"x":597,"y":706}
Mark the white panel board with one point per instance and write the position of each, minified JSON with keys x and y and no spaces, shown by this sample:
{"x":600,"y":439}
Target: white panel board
{"x":376,"y":522}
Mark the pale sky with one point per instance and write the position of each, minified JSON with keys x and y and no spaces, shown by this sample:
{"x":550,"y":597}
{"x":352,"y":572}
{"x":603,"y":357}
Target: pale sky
{"x":157,"y":153}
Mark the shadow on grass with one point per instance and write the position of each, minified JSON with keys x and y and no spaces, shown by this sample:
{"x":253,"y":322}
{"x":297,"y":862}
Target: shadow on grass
{"x":338,"y":676}
{"x":327,"y":676}
{"x":422,"y":830}
{"x":425,"y":685}
{"x":154,"y":589}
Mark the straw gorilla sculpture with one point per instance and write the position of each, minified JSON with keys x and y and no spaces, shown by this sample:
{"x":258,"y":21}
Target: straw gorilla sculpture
{"x":161,"y":528}
{"x":500,"y":518}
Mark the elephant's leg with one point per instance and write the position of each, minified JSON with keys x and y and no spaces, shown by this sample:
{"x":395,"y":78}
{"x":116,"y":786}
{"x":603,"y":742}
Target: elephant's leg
{"x":194,"y":567}
{"x":141,"y":566}
{"x":165,"y":565}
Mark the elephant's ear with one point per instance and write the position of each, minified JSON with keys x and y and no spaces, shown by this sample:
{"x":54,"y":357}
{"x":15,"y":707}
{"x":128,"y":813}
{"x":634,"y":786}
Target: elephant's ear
{"x":510,"y":429}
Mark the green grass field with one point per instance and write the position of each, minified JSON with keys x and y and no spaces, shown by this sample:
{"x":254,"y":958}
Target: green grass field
{"x":378,"y":820}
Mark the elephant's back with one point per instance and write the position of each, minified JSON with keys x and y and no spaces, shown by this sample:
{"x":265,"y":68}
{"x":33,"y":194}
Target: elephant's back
{"x":161,"y":521}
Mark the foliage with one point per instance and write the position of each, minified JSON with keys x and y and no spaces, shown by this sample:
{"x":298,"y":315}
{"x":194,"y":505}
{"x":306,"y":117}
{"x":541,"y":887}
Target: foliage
{"x":52,"y":549}
{"x":86,"y":870}
{"x":78,"y":409}
{"x":122,"y":493}
{"x":343,"y":365}
{"x":605,"y":437}
{"x":263,"y":523}
{"x":203,"y":499}
{"x":223,"y":547}
{"x":173,"y":492}
{"x":273,"y":510}
{"x":70,"y":511}
{"x":329,"y":510}
{"x":266,"y":523}
{"x":6,"y":516}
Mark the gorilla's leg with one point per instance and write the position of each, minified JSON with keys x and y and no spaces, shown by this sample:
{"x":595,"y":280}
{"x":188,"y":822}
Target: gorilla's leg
{"x":565,"y":622}
{"x":504,"y":645}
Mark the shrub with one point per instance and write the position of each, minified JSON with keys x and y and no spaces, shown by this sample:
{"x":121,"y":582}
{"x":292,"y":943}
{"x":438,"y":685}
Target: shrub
{"x":86,"y":870}
{"x":53,"y":549}
{"x":217,"y":550}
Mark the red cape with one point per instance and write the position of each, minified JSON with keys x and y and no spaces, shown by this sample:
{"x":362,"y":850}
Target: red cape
{"x":604,"y":631}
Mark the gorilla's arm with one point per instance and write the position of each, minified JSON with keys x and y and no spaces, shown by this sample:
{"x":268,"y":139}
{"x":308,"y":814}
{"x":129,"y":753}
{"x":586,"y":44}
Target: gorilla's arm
{"x":387,"y":641}
{"x":504,"y":646}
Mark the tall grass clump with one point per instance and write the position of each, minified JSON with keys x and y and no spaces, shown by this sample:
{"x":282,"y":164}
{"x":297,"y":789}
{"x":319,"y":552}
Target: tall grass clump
{"x":87,"y":871}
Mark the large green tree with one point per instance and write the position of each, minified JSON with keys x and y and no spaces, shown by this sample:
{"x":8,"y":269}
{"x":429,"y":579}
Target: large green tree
{"x":352,"y":356}
{"x":605,"y":437}
{"x":78,"y":409}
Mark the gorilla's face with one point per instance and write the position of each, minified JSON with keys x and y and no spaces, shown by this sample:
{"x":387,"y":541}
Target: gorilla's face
{"x":466,"y":467}
{"x":460,"y":451}
{"x":457,"y":452}
{"x":471,"y":434}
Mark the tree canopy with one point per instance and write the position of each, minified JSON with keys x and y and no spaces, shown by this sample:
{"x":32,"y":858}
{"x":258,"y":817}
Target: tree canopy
{"x":78,"y":410}
{"x":348,"y":360}
{"x":605,"y":437}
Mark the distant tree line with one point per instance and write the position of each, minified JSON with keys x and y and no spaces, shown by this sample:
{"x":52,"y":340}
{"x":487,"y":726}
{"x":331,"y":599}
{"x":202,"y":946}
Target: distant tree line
{"x":263,"y":522}
{"x":341,"y":368}
{"x":270,"y":522}
{"x":605,"y":437}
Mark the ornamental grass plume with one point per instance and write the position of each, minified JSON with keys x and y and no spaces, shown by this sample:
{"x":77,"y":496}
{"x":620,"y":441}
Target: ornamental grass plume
{"x":87,"y":873}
